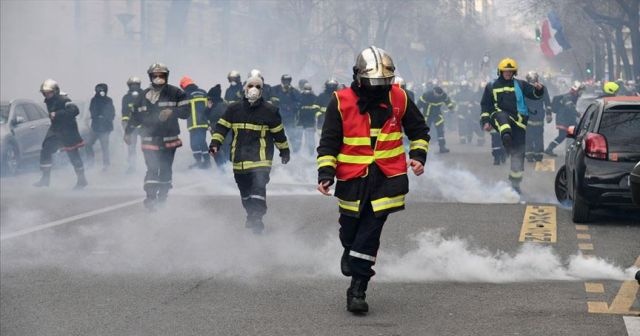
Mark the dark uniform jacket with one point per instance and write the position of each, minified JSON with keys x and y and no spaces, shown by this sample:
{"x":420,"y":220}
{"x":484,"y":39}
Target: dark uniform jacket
{"x":64,"y":125}
{"x":127,"y":104}
{"x":505,"y":98}
{"x":431,"y":104}
{"x":256,"y":129}
{"x":287,"y":101}
{"x":233,"y":94}
{"x":538,"y":109}
{"x":308,"y":110}
{"x":147,"y":114}
{"x":197,"y":107}
{"x":102,"y":114}
{"x":375,"y":184}
{"x":564,"y":106}
{"x":323,"y":101}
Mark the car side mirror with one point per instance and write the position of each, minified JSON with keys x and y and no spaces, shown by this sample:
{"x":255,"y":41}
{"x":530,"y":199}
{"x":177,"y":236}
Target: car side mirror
{"x":571,"y":132}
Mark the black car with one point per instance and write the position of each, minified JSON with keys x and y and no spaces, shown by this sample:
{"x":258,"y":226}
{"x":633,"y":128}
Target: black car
{"x":635,"y":184}
{"x":598,"y":163}
{"x":23,"y":126}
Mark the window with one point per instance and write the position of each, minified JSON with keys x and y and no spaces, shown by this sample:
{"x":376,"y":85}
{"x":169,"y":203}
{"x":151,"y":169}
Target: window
{"x":622,"y":130}
{"x":34,"y":112}
{"x":586,"y":120}
{"x":21,"y":113}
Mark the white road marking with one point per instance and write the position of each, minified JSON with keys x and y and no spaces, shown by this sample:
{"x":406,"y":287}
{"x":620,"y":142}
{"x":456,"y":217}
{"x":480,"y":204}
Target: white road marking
{"x":633,"y":325}
{"x":92,"y":213}
{"x":68,"y":219}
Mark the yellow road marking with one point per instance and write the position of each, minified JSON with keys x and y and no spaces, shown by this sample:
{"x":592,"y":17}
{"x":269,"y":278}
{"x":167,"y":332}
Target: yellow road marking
{"x":584,"y":236}
{"x":582,"y":228}
{"x":626,"y":296}
{"x":623,"y":301}
{"x":593,"y":287}
{"x":539,"y":224}
{"x":585,"y":246}
{"x":597,"y":307}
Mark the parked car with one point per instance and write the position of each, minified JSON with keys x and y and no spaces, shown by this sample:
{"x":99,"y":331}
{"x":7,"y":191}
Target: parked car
{"x":634,"y":179}
{"x":598,"y":163}
{"x":23,"y":126}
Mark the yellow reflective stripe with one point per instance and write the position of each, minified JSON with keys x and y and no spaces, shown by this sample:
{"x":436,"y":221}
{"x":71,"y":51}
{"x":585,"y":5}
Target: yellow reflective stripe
{"x":182,"y":103}
{"x":197,"y":126}
{"x":519,"y":122}
{"x":419,"y":144}
{"x":485,"y":114}
{"x":125,"y":118}
{"x":356,"y":141}
{"x":440,"y":121}
{"x":358,"y":159}
{"x":349,"y":205}
{"x":251,"y":164}
{"x":384,"y":154}
{"x":263,"y":145}
{"x":224,"y":123}
{"x":387,"y":203}
{"x":282,"y":145}
{"x":501,"y":128}
{"x":390,"y":136}
{"x":515,"y":174}
{"x":277,"y":129}
{"x":251,"y":127}
{"x":374,"y":132}
{"x":436,"y":104}
{"x":217,"y":137}
{"x":326,"y":160}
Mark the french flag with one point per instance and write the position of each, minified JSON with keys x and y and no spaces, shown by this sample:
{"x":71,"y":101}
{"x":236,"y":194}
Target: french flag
{"x":553,"y":40}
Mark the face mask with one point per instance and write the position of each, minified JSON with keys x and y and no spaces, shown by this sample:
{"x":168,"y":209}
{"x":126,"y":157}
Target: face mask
{"x":253,"y":94}
{"x":233,"y":83}
{"x":159,"y":81}
{"x":102,"y":93}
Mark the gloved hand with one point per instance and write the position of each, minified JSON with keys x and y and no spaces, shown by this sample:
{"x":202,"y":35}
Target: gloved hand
{"x":213,"y":149}
{"x":127,"y":139}
{"x":165,"y":114}
{"x":285,"y":158}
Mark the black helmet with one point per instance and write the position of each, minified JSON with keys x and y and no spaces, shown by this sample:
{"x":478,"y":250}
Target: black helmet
{"x":331,"y":85}
{"x":285,"y":79}
{"x":102,"y":87}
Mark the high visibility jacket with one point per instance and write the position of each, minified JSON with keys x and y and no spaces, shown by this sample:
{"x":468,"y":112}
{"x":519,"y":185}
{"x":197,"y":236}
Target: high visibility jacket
{"x":356,"y":153}
{"x":364,"y":150}
{"x":197,"y":107}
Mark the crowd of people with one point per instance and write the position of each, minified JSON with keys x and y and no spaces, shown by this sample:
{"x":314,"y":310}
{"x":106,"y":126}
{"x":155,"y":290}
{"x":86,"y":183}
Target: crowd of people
{"x":357,"y":131}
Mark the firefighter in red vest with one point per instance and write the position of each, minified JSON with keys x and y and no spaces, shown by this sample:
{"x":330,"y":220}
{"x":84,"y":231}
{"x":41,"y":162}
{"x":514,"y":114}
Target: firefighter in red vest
{"x":361,"y":146}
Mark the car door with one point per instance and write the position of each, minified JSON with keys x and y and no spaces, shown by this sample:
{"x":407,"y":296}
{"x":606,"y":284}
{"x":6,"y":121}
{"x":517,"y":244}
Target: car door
{"x":575,"y":153}
{"x":39,"y":122}
{"x":23,"y":130}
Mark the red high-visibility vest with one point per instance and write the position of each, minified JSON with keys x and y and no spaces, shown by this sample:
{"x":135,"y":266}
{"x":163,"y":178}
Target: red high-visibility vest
{"x":356,"y":153}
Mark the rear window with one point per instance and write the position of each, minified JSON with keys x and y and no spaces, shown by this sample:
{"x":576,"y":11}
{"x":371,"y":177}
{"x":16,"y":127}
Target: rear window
{"x":621,"y":127}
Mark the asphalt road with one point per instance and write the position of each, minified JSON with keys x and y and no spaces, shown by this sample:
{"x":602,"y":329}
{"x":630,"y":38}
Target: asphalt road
{"x":95,"y":262}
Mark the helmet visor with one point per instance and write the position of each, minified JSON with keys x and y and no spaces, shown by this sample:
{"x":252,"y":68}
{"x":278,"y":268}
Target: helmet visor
{"x":376,"y":81}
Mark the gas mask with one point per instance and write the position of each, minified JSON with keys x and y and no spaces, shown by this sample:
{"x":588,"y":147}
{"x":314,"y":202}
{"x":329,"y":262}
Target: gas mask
{"x":253,"y":94}
{"x":159,"y":81}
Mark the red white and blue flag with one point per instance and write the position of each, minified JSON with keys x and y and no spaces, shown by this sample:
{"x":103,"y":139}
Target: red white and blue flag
{"x":553,"y":39}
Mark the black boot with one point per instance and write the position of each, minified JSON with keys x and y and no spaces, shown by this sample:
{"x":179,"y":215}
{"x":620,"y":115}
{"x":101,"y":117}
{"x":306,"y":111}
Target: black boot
{"x":356,"y":296}
{"x":549,"y":150}
{"x":507,"y":140}
{"x":82,"y":180}
{"x":206,"y":161}
{"x":345,"y":268}
{"x":198,"y":162}
{"x":45,"y":179}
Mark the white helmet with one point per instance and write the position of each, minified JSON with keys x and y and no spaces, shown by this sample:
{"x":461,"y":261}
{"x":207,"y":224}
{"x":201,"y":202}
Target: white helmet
{"x":50,"y":85}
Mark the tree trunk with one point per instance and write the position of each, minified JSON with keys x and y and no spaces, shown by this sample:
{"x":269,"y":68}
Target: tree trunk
{"x":598,"y":66}
{"x":610,"y":56}
{"x":622,"y":52}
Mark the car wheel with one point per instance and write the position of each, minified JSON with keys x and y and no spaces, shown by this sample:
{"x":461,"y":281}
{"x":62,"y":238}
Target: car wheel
{"x":10,"y":160}
{"x":579,"y":211}
{"x":560,"y":187}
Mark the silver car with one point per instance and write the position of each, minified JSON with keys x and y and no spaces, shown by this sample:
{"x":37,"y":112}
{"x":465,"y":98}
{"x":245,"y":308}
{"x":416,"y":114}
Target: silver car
{"x":23,"y":126}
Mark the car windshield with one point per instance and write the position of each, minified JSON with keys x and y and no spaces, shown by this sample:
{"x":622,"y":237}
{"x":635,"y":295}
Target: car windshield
{"x":621,"y":127}
{"x":4,"y":113}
